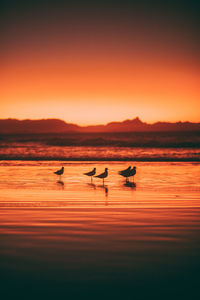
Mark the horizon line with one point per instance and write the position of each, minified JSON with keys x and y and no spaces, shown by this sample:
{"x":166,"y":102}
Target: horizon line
{"x":101,"y":124}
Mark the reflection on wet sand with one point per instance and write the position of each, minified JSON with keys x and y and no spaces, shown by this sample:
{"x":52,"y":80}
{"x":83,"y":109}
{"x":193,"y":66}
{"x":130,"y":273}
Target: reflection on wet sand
{"x":105,"y":187}
{"x":130,"y":184}
{"x":77,"y":239}
{"x":106,"y":195}
{"x":93,"y":185}
{"x":61,"y":184}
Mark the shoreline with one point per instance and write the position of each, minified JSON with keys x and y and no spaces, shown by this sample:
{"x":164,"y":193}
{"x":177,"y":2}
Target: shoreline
{"x":93,"y":159}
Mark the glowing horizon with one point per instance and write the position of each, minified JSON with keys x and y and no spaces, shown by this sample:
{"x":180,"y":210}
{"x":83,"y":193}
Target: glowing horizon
{"x":71,"y":65}
{"x":104,"y":123}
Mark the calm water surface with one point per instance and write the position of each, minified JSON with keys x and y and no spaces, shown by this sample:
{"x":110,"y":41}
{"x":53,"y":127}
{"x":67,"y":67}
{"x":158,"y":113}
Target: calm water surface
{"x":68,"y":237}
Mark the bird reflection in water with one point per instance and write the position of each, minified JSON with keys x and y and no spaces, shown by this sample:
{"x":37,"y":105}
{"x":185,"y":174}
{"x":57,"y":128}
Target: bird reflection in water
{"x":60,"y":184}
{"x":106,"y":195}
{"x":105,"y":187}
{"x":130,"y":184}
{"x":106,"y":191}
{"x":92,"y":185}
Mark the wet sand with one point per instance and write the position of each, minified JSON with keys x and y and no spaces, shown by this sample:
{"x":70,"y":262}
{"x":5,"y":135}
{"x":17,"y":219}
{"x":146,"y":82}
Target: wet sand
{"x":70,"y":238}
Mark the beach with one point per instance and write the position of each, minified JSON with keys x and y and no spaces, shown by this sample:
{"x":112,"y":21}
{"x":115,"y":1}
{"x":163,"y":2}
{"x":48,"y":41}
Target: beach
{"x":70,"y":237}
{"x":99,"y":150}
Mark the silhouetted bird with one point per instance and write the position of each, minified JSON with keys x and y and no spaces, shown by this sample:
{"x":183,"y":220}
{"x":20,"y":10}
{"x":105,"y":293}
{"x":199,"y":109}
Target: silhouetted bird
{"x":91,"y":173}
{"x":132,"y":172}
{"x":103,"y":175}
{"x":59,"y":172}
{"x":125,"y":173}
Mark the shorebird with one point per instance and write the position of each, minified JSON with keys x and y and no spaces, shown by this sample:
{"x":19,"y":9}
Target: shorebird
{"x":125,"y":173}
{"x":103,"y":175}
{"x":59,"y":172}
{"x":132,"y":172}
{"x":91,"y":173}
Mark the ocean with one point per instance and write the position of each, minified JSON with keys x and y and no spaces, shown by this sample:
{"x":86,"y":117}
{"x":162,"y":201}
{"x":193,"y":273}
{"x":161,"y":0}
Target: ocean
{"x":71,"y":238}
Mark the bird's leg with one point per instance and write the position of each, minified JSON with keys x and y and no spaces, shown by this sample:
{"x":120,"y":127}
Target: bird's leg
{"x":103,"y":181}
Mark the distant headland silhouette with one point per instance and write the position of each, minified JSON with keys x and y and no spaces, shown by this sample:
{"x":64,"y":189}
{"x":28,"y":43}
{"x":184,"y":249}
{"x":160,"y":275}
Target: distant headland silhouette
{"x":12,"y":126}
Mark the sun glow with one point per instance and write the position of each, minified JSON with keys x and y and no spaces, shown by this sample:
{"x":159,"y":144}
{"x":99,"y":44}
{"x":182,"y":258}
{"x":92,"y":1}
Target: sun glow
{"x":85,"y":73}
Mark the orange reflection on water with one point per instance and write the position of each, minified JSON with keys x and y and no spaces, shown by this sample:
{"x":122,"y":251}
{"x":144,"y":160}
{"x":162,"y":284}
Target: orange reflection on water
{"x":71,"y":232}
{"x":34,"y":185}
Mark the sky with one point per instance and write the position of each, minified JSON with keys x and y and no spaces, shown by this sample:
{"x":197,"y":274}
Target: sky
{"x":100,"y":61}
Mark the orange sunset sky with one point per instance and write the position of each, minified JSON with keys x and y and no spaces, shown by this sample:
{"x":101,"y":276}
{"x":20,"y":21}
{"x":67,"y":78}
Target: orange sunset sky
{"x":95,"y":63}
